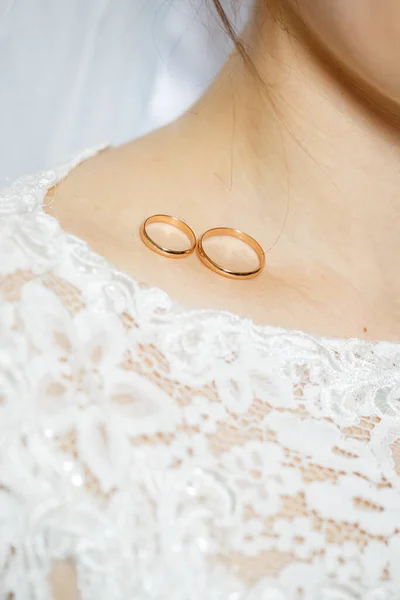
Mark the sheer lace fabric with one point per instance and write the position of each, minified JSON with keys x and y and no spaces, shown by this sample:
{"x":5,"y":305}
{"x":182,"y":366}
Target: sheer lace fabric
{"x":180,"y":454}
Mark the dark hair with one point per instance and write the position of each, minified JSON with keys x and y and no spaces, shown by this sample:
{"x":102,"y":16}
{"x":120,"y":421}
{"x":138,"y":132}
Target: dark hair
{"x":233,"y":34}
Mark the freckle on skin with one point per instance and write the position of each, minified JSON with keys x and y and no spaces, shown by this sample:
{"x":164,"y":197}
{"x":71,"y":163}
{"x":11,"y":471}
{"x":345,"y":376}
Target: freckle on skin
{"x":365,"y":330}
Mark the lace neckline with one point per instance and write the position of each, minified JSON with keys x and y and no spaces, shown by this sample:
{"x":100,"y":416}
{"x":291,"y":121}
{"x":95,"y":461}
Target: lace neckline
{"x":35,"y":189}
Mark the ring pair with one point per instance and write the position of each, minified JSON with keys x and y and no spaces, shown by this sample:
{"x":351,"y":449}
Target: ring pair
{"x":197,"y":244}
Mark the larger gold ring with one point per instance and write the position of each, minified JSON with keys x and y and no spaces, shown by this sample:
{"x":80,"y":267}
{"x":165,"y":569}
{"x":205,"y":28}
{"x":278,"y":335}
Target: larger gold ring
{"x":235,"y":233}
{"x":175,"y":222}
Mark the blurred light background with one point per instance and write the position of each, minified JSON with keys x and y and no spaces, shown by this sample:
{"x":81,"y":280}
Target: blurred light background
{"x":80,"y":73}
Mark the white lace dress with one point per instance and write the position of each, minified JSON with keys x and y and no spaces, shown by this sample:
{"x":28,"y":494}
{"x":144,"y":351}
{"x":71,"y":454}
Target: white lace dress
{"x":177,"y":454}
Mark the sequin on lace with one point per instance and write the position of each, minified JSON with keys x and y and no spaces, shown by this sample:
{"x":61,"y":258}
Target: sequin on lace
{"x":182,"y":455}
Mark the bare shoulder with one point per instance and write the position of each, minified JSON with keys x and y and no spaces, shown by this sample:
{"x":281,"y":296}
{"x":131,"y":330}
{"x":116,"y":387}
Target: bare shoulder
{"x":106,"y":198}
{"x":107,"y":184}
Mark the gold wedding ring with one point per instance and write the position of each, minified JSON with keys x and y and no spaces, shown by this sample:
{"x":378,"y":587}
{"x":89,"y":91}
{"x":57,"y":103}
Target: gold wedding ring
{"x":175,"y":222}
{"x":235,"y":233}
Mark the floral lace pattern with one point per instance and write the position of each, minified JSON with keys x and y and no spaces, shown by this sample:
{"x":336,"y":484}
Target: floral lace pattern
{"x":180,"y":454}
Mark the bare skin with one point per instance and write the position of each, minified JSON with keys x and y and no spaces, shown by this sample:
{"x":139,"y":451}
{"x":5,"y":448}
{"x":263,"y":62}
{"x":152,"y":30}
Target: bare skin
{"x":307,"y":162}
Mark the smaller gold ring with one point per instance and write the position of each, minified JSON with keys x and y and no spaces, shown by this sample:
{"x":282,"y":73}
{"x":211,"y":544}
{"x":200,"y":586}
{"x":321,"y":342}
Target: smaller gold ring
{"x":240,"y":235}
{"x":175,"y":222}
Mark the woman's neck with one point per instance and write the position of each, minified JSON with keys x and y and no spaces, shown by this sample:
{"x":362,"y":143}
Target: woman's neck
{"x":308,"y":150}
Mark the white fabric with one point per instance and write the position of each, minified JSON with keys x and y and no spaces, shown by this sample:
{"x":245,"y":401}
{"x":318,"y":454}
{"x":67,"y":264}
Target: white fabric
{"x":76,"y":73}
{"x":73,"y":74}
{"x":179,"y":454}
{"x":193,"y":45}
